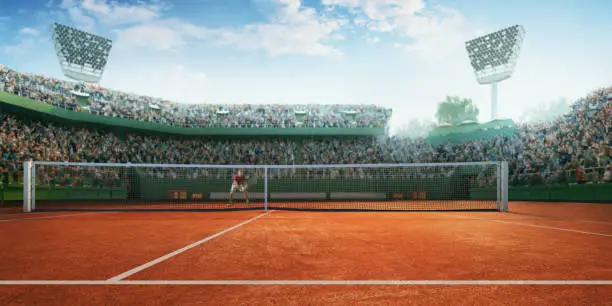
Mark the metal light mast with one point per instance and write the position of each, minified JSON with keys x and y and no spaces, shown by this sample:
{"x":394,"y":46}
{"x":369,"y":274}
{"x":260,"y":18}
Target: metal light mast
{"x":81,"y":55}
{"x":493,"y":58}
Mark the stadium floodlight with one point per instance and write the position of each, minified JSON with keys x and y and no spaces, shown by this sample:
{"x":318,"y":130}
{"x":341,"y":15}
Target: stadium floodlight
{"x":81,"y":55}
{"x":494,"y":56}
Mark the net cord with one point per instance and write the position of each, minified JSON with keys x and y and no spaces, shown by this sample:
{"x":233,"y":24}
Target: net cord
{"x":126,"y":165}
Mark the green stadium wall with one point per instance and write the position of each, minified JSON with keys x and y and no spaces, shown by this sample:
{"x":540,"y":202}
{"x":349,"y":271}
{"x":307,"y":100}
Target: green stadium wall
{"x":156,"y":191}
{"x":37,"y":110}
{"x":454,"y":186}
{"x":583,"y":193}
{"x":464,"y":132}
{"x":61,"y":193}
{"x":159,"y":190}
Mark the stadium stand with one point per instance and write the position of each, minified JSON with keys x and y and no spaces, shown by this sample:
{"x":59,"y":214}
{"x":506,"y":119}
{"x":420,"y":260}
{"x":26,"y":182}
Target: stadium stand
{"x":576,"y":147}
{"x":107,"y":102}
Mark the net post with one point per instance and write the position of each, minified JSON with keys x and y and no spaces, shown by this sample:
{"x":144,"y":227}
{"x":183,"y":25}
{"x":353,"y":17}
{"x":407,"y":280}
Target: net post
{"x":33,"y":186}
{"x":504,"y":186}
{"x":265,"y":188}
{"x":498,"y":193}
{"x":27,"y":186}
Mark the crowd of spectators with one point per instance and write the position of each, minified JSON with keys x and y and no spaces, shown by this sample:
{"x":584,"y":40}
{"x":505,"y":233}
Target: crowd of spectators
{"x":107,"y":102}
{"x":576,"y":146}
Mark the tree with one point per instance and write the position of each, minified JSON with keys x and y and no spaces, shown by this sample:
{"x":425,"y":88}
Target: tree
{"x":455,"y":110}
{"x":415,"y":128}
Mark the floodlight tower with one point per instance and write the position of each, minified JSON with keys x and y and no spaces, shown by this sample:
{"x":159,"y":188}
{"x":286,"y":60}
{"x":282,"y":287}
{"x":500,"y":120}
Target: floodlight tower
{"x":81,"y":55}
{"x":494,"y":56}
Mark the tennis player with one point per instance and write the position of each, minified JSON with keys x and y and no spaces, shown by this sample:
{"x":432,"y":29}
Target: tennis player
{"x":239,"y":184}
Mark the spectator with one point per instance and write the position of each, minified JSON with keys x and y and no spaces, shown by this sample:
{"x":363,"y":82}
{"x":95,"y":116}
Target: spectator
{"x":538,"y":153}
{"x":112,"y":103}
{"x":608,"y":174}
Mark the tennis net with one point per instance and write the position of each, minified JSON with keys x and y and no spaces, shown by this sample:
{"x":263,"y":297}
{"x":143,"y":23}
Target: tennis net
{"x":373,"y":187}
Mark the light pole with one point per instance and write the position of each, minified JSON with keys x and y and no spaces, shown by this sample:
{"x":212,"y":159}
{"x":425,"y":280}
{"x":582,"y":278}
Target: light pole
{"x":493,"y":58}
{"x":82,"y":57}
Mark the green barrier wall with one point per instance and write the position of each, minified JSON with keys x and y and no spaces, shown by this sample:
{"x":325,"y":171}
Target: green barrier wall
{"x":552,"y":193}
{"x":465,"y":132}
{"x":467,"y":128}
{"x":451,"y":188}
{"x":15,"y":193}
{"x":29,"y":107}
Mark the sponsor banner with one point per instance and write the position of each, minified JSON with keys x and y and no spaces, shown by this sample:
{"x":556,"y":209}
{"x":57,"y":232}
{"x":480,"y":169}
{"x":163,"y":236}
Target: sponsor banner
{"x":397,"y":196}
{"x":418,"y":195}
{"x":298,"y":196}
{"x":177,"y":194}
{"x":236,"y":196}
{"x":358,"y":196}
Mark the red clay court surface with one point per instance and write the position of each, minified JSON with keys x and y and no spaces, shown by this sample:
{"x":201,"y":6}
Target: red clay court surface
{"x":539,"y":253}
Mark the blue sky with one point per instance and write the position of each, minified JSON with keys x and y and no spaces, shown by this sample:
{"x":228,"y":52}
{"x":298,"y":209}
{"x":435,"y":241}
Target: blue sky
{"x":404,"y":54}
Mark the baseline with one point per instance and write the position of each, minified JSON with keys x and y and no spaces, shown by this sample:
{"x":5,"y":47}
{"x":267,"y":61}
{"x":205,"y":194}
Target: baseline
{"x":529,"y":225}
{"x":552,"y":218}
{"x":307,"y":282}
{"x":179,"y":251}
{"x":55,"y":216}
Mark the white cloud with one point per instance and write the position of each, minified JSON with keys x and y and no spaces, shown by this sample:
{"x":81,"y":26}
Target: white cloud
{"x":279,"y":39}
{"x":114,"y":13}
{"x":174,"y":82}
{"x":80,"y":18}
{"x":66,"y":4}
{"x":294,"y":29}
{"x":86,"y":13}
{"x":29,"y":31}
{"x":161,"y":35}
{"x":373,"y":40}
{"x":3,"y":20}
{"x":158,"y":36}
{"x":25,"y":40}
{"x":358,"y":21}
{"x":18,"y":48}
{"x":433,"y":32}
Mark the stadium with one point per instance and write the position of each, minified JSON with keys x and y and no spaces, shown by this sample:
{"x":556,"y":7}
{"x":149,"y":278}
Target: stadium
{"x":112,"y":197}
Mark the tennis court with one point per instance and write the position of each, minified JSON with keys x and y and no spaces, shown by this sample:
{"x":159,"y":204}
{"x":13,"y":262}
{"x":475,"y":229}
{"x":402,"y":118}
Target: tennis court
{"x":544,"y":253}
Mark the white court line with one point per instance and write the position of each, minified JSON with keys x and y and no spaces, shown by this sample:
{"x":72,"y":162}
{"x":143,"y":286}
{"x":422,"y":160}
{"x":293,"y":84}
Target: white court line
{"x":530,"y":225}
{"x":592,"y":221}
{"x":56,"y":216}
{"x":179,"y":251}
{"x":22,"y":213}
{"x":577,"y":220}
{"x":307,"y":282}
{"x":552,"y":218}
